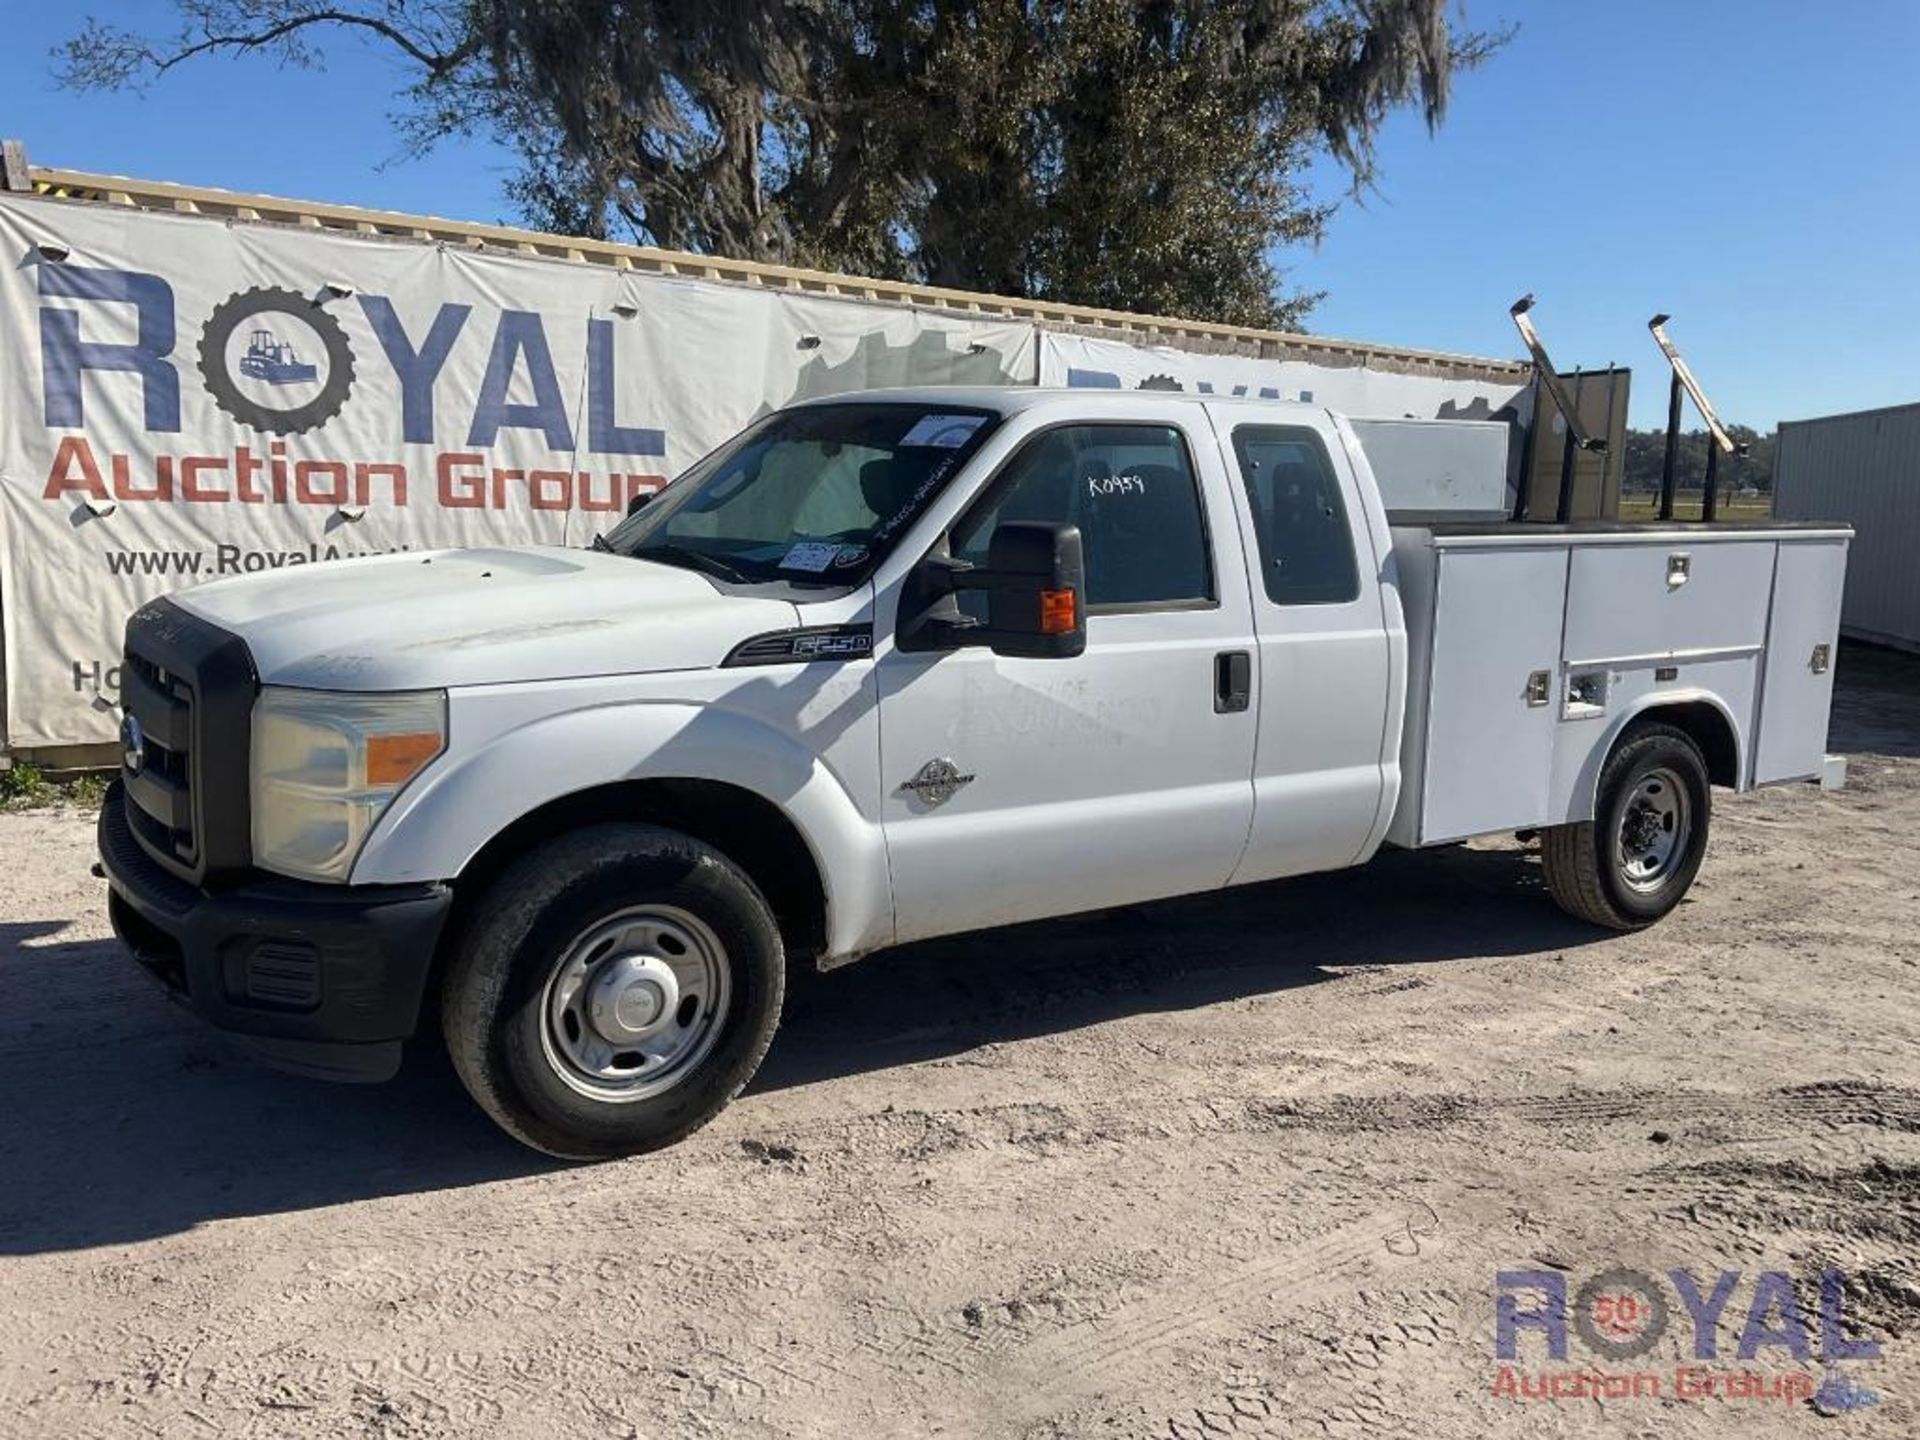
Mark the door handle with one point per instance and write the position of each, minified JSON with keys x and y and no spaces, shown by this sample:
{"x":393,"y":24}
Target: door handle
{"x":1232,"y":681}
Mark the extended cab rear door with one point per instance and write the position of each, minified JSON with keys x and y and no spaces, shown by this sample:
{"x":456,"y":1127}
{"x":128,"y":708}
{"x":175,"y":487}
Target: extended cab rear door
{"x":1328,"y":731}
{"x":1119,"y":775}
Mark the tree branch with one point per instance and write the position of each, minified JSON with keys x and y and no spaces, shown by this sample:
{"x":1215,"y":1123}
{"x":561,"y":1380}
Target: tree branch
{"x":105,"y":57}
{"x":436,"y":63}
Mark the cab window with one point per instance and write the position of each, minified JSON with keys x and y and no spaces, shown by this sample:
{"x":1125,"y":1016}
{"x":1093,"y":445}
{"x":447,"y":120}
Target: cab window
{"x":1299,"y":519}
{"x":1130,"y":489}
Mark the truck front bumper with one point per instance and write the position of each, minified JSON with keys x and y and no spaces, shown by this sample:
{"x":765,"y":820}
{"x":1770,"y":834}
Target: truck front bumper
{"x":325,"y":980}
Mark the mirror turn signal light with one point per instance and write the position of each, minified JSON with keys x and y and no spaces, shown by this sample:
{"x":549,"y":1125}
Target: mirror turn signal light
{"x":396,"y":759}
{"x":1059,"y":615}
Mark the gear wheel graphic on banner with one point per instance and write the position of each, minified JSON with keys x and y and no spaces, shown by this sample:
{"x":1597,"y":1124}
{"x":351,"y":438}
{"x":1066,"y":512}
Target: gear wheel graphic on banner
{"x":273,"y":360}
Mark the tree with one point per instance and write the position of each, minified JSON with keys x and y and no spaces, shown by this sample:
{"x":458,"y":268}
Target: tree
{"x":1140,"y":154}
{"x":1645,"y":456}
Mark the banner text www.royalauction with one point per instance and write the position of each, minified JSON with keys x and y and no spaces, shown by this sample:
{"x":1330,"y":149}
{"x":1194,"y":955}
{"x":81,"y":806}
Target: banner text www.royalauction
{"x":228,"y":560}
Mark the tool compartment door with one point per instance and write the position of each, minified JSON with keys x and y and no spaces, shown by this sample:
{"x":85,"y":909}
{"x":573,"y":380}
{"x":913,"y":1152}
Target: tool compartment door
{"x":1797,"y":691}
{"x":1667,"y":596}
{"x":1489,"y":744}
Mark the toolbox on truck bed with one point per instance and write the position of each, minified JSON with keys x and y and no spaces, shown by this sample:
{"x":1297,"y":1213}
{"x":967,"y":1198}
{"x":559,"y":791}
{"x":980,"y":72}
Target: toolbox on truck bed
{"x":1525,"y":639}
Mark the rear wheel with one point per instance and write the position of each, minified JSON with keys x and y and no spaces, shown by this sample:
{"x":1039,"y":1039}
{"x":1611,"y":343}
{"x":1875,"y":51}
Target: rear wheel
{"x":612,"y":991}
{"x":1637,"y":858}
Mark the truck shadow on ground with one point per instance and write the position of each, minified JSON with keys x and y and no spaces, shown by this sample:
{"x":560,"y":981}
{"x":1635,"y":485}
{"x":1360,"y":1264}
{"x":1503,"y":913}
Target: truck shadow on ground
{"x":125,"y":1119}
{"x":945,"y":997}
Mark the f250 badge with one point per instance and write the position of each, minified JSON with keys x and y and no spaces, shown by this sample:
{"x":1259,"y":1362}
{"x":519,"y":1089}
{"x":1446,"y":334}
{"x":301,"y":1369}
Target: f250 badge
{"x":936,"y":782}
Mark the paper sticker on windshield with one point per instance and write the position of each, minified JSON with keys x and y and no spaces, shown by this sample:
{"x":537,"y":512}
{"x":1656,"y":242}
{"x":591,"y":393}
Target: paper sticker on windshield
{"x":810,"y":555}
{"x":941,"y":432}
{"x":848,"y":556}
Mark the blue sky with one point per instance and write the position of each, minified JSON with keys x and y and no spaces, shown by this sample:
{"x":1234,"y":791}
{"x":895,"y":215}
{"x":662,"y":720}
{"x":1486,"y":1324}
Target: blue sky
{"x":1748,"y":165}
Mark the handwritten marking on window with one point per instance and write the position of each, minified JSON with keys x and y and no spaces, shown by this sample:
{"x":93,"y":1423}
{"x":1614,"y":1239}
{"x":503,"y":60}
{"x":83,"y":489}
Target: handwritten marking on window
{"x":1128,"y":484}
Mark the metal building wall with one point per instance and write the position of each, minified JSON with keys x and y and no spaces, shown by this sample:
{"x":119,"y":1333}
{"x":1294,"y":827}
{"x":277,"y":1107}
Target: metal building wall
{"x":1862,"y":468}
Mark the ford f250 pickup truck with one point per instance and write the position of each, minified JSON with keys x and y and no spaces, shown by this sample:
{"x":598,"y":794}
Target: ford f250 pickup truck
{"x":901,"y":665}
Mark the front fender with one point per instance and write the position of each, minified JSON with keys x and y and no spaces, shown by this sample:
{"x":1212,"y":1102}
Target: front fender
{"x":505,"y":765}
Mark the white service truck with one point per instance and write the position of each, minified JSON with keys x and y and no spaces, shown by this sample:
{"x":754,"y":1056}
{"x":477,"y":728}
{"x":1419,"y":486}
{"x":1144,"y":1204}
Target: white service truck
{"x":893,"y":666}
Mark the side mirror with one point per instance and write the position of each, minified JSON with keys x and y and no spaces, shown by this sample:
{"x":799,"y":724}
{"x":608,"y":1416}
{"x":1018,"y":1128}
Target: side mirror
{"x":639,"y":501}
{"x":1036,"y":584}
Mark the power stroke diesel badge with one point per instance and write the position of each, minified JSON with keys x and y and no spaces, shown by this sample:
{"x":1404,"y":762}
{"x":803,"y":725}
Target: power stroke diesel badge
{"x":936,"y":782}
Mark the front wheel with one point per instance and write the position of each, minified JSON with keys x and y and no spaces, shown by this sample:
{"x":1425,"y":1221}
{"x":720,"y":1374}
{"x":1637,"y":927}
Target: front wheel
{"x":612,"y":991}
{"x":1637,"y":858}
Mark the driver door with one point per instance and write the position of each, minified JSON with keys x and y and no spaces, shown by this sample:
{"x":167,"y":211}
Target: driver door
{"x":1119,"y":775}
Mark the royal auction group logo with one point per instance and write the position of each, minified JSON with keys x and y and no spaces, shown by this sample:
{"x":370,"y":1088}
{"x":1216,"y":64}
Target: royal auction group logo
{"x":1789,"y":1342}
{"x":460,"y":405}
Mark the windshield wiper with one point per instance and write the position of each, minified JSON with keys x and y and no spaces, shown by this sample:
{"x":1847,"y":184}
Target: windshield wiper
{"x":691,"y":559}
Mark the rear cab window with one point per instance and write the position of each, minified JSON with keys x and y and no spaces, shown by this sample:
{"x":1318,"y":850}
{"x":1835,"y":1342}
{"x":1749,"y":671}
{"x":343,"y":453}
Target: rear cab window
{"x":1299,"y":516}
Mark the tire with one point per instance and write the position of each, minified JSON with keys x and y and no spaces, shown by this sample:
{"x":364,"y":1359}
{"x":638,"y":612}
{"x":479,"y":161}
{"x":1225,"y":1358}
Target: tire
{"x":609,"y":927}
{"x":1654,"y":800}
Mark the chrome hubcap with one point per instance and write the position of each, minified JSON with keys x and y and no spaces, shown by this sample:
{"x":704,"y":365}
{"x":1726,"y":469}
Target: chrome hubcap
{"x":635,"y":1003}
{"x":1655,"y":824}
{"x":630,"y":997}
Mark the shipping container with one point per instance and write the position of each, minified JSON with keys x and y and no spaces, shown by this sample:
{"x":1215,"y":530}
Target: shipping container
{"x":1864,"y":469}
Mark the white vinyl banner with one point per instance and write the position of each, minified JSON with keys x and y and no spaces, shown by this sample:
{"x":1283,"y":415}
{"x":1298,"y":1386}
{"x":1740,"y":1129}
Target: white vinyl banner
{"x":186,"y":399}
{"x":1352,"y":390}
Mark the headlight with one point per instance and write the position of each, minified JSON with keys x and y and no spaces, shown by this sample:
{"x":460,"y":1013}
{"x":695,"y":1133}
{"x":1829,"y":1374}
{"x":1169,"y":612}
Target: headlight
{"x":326,"y":764}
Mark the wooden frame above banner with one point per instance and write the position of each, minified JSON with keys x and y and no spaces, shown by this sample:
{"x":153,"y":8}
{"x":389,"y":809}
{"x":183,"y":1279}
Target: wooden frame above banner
{"x":1196,"y":335}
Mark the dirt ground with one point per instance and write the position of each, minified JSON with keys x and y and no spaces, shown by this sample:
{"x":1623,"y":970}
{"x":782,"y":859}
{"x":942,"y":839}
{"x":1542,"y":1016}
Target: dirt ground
{"x":1247,"y":1164}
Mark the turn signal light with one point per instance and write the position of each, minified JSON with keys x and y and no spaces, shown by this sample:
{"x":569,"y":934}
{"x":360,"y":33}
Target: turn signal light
{"x":396,"y":759}
{"x":1058,"y":613}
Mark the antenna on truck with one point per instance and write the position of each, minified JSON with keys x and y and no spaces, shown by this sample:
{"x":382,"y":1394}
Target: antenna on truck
{"x":1683,"y":379}
{"x":1577,"y":436}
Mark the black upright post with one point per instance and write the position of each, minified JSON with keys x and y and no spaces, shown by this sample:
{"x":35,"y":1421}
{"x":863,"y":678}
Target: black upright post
{"x":1563,"y":513}
{"x":1522,"y":495}
{"x":1710,"y":497}
{"x":1668,"y":465}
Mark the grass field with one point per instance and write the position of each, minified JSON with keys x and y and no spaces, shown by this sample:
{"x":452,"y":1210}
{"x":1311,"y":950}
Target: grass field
{"x":1686,"y":506}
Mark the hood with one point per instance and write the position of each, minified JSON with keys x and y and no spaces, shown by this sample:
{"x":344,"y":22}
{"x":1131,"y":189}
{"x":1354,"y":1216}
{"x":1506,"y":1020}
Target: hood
{"x":437,"y":619}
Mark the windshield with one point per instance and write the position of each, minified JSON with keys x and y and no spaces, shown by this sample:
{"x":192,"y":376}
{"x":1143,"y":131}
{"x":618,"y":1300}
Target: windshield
{"x":814,"y":496}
